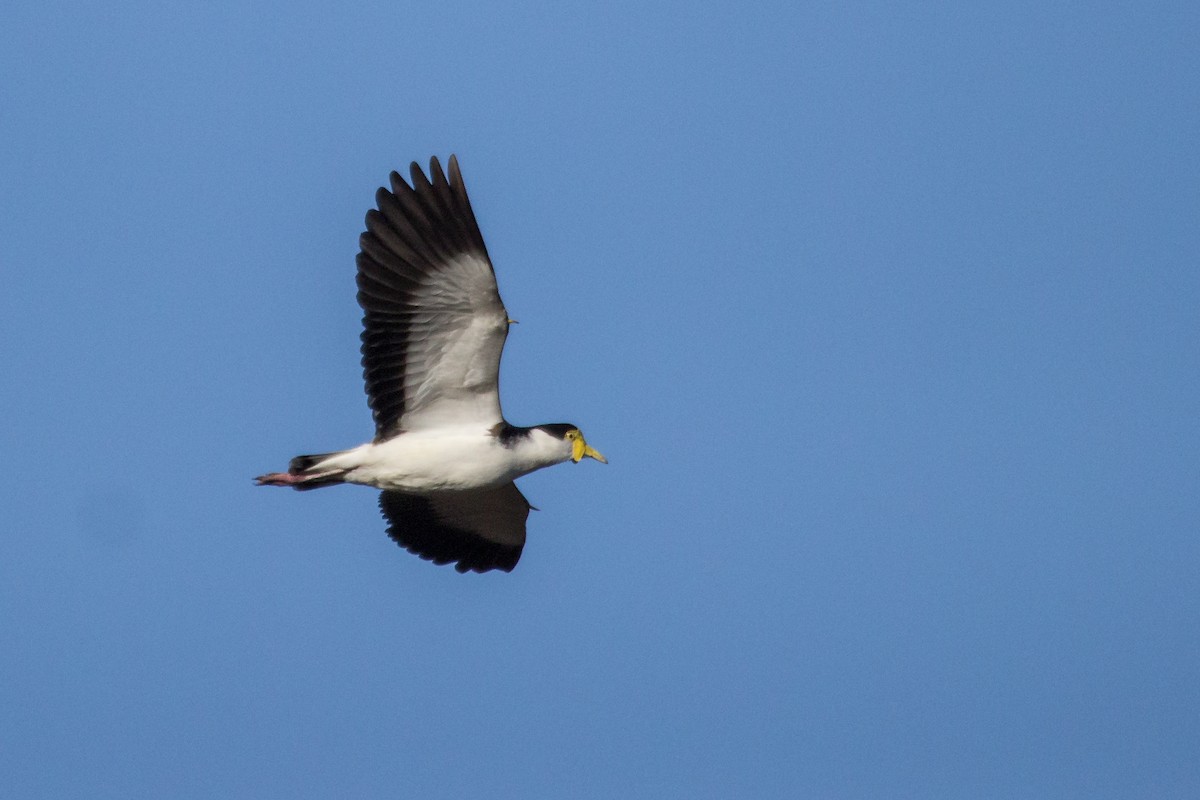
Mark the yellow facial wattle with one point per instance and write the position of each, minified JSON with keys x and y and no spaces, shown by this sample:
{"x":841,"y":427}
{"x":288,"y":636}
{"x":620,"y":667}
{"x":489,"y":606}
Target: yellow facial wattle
{"x":581,"y":450}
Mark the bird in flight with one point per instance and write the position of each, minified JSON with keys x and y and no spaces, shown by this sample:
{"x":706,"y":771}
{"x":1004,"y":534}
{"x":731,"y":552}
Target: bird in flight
{"x":433,"y":330}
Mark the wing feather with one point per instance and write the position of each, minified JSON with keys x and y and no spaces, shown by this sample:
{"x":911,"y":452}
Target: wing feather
{"x":434,"y":325}
{"x":478,"y":530}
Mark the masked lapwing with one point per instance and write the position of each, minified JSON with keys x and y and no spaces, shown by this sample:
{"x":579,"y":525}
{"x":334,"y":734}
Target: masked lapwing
{"x":433,"y":330}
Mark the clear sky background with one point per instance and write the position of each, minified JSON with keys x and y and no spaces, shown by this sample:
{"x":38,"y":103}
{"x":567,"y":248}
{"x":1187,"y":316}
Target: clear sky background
{"x":887,"y":316}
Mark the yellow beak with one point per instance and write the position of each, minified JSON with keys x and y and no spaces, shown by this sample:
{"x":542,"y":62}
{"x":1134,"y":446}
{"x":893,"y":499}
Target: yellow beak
{"x":580,"y":450}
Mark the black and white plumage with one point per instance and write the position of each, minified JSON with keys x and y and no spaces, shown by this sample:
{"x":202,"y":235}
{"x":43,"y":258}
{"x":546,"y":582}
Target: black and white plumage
{"x":433,"y":330}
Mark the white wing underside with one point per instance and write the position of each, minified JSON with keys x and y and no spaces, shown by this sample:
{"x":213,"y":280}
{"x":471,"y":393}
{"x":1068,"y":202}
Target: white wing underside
{"x":434,"y":325}
{"x":452,"y":356}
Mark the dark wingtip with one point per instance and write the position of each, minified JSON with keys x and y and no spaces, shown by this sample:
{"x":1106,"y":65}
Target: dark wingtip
{"x":414,"y":524}
{"x":398,"y":184}
{"x":419,"y":182}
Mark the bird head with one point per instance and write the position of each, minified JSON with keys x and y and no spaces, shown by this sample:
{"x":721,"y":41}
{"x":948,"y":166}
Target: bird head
{"x":580,"y":449}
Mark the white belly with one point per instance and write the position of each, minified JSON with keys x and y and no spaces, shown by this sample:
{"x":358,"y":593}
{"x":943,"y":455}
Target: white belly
{"x":429,"y":462}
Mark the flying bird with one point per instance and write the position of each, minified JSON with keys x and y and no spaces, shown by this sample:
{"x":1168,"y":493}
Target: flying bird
{"x":433,"y":330}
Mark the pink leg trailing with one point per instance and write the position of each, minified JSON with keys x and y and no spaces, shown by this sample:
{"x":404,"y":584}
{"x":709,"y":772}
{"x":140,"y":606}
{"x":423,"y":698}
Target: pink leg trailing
{"x":288,"y":479}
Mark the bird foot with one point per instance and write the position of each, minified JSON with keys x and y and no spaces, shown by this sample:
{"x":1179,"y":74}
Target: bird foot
{"x":278,"y":479}
{"x":303,"y":480}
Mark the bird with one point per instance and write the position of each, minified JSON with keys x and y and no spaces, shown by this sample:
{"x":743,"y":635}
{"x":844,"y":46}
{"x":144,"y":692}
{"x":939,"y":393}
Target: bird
{"x":434,"y":327}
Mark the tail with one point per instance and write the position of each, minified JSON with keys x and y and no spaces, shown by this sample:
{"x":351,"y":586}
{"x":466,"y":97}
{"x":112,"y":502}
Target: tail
{"x":301,"y":464}
{"x":304,"y":473}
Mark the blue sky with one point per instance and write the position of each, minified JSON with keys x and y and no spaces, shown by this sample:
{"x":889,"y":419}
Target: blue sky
{"x":885,"y":315}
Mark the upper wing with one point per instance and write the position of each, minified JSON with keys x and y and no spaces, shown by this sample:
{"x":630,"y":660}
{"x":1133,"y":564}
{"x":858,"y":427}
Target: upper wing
{"x":480,"y":530}
{"x":434,"y":325}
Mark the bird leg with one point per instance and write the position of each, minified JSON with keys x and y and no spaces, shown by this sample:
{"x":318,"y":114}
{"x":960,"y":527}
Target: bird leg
{"x":290,"y":479}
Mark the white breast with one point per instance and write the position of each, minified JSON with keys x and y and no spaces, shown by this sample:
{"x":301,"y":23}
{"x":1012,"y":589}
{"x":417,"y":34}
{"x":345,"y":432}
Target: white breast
{"x":447,"y":459}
